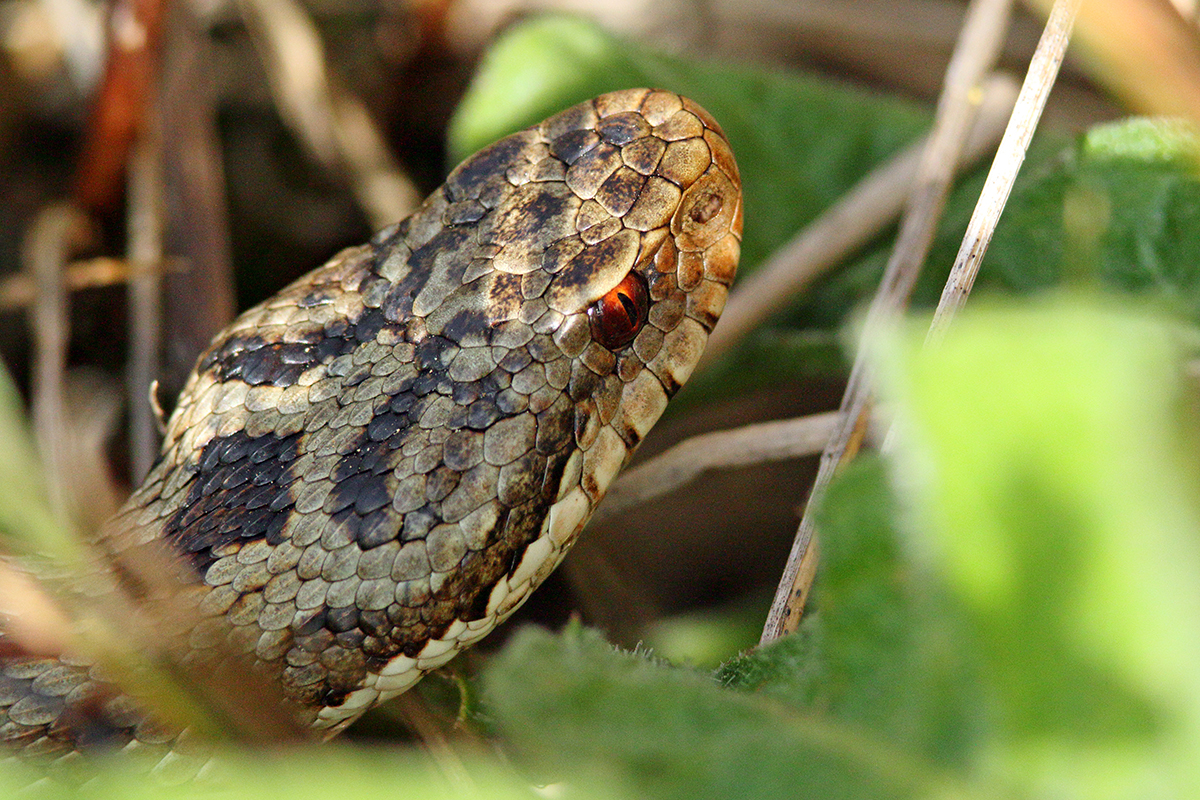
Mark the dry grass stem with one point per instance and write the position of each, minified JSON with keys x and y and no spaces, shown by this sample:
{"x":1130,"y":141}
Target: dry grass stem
{"x":383,"y":190}
{"x":332,"y":123}
{"x":1043,"y":69}
{"x":861,"y":215}
{"x":28,"y":615}
{"x":55,"y":233}
{"x":145,"y":233}
{"x":93,"y":407}
{"x":685,"y":462}
{"x":978,"y":47}
{"x":19,"y":291}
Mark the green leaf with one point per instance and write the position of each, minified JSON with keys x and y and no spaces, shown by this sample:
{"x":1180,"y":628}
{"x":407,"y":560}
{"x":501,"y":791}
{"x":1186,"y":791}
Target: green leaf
{"x":882,"y":651}
{"x":791,"y":669}
{"x":576,"y":710}
{"x":320,"y":773}
{"x":1056,"y":497}
{"x":1119,"y":208}
{"x":27,"y":525}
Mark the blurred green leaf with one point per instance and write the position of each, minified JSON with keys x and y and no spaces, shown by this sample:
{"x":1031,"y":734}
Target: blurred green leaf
{"x":1056,"y":496}
{"x":27,"y":525}
{"x":321,"y":773}
{"x":883,"y":650}
{"x":577,"y":710}
{"x":706,"y":637}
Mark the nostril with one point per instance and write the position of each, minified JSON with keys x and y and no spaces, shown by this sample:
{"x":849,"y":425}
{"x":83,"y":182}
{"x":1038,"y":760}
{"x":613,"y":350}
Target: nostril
{"x":706,"y":208}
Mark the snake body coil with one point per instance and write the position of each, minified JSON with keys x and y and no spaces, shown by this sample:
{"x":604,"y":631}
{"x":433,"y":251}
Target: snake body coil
{"x":374,"y":468}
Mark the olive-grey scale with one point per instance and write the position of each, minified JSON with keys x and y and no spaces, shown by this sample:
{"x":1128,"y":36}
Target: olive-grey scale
{"x":375,"y":467}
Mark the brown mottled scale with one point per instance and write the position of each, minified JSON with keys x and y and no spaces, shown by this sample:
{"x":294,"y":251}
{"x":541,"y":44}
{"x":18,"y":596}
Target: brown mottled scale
{"x":375,"y":467}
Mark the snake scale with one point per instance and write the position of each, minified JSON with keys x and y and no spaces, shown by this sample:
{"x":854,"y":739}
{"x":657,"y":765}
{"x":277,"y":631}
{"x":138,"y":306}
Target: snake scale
{"x":371,"y":470}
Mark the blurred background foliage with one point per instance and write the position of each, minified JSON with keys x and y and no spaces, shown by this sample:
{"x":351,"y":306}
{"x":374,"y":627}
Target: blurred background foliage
{"x":1007,"y":602}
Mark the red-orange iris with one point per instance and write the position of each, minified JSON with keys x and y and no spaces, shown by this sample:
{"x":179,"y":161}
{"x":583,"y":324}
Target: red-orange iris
{"x":618,"y":316}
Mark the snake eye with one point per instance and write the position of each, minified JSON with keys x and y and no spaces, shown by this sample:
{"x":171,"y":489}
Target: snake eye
{"x":617,"y":317}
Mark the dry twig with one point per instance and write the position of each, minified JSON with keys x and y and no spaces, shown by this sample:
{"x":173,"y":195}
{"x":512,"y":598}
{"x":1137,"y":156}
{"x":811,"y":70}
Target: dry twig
{"x":145,"y":232}
{"x":977,"y":49}
{"x":55,"y":232}
{"x":19,"y":291}
{"x":333,"y":124}
{"x":1038,"y":81}
{"x":685,"y":462}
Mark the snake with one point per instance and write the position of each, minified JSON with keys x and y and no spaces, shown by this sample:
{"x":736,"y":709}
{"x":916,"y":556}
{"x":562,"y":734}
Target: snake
{"x":368,"y":472}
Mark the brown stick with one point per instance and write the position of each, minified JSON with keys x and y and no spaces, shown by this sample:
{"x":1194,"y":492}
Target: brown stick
{"x":19,"y":291}
{"x":1043,"y":69}
{"x":685,"y":462}
{"x":55,"y":232}
{"x":331,"y":122}
{"x":144,"y":292}
{"x":977,"y":49}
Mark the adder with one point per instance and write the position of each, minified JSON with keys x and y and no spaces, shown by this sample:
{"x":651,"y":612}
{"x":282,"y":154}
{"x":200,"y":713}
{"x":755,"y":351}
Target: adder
{"x":368,"y":472}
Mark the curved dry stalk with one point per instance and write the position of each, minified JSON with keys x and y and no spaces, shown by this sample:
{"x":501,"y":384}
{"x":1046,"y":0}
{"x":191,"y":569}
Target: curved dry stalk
{"x":55,"y":232}
{"x":333,"y":124}
{"x":685,"y":462}
{"x":977,"y":49}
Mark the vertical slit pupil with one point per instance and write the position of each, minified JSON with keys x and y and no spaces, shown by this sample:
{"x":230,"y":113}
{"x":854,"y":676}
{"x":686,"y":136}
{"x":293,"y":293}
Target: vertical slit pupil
{"x":629,"y":305}
{"x":618,"y":316}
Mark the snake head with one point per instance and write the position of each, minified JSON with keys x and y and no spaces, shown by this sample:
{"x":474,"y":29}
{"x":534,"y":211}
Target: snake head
{"x":608,"y":236}
{"x":613,"y":227}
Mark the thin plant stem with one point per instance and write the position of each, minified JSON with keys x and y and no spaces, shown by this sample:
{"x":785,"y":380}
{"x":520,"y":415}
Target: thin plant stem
{"x":978,"y":47}
{"x":1043,"y":69}
{"x":759,"y":443}
{"x":145,"y":223}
